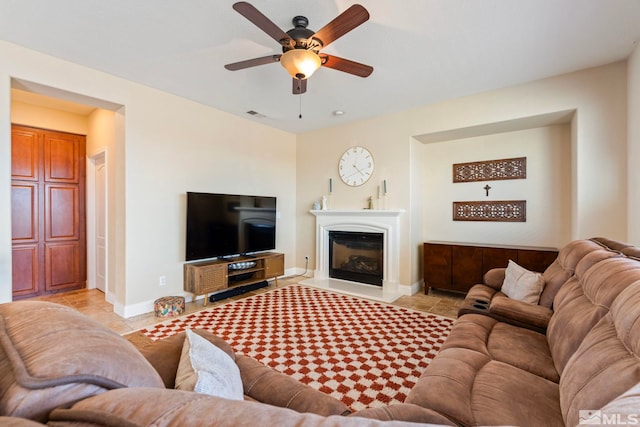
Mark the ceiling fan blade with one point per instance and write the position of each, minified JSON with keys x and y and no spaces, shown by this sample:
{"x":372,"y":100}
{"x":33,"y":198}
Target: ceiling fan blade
{"x":265,"y":24}
{"x":299,"y":86}
{"x":341,"y":25}
{"x":346,"y":65}
{"x":252,"y":62}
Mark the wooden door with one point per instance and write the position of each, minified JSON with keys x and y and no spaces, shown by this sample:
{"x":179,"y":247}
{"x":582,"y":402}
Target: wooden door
{"x":47,"y":211}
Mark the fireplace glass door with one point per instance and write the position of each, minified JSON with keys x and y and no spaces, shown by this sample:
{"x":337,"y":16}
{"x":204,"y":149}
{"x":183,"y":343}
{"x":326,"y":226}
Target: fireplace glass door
{"x":356,"y":256}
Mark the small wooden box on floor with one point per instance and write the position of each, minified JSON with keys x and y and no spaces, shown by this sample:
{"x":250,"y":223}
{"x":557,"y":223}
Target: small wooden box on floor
{"x":459,"y":266}
{"x":203,"y":278}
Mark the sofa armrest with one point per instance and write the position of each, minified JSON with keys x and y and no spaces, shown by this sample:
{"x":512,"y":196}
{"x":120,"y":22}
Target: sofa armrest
{"x":494,"y":278}
{"x":143,"y":407}
{"x":477,"y":300}
{"x":531,"y":316}
{"x":266,"y":385}
{"x":405,"y":412}
{"x":18,"y":422}
{"x":483,"y":299}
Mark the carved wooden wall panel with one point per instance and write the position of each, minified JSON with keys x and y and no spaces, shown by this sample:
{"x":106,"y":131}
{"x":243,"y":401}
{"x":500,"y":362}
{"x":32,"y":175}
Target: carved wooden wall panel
{"x":490,"y":170}
{"x":502,"y":211}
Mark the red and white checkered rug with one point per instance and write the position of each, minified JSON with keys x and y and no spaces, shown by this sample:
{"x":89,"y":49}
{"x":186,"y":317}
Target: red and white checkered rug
{"x":364,"y":353}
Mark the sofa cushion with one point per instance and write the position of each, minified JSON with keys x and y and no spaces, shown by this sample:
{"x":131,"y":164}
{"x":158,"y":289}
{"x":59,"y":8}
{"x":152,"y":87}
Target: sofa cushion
{"x":472,"y":389}
{"x":52,"y":356}
{"x":204,"y":368}
{"x":607,"y":362}
{"x":502,"y":342}
{"x":521,"y":284}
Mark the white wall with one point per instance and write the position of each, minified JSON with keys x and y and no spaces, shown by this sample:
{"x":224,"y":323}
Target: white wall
{"x":598,"y":158}
{"x":165,"y":146}
{"x":634,"y":146}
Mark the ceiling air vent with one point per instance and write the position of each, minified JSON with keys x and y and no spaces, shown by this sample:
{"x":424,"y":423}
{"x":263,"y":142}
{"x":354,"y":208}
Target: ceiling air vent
{"x":256,"y":114}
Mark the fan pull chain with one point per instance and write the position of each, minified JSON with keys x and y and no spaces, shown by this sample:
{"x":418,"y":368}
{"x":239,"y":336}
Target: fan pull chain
{"x":300,"y":107}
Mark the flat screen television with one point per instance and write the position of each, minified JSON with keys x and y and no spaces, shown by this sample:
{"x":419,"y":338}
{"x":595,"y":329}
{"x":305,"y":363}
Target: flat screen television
{"x":224,"y":225}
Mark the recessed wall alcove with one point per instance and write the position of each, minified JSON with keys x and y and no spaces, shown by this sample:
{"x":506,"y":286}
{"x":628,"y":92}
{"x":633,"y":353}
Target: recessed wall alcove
{"x":548,"y":142}
{"x":102,"y":122}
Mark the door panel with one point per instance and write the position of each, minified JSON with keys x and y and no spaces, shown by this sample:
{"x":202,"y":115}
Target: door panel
{"x":61,"y":206}
{"x":61,"y":261}
{"x":24,"y":154}
{"x":25,"y":270}
{"x":468,"y":267}
{"x":24,"y":213}
{"x":60,"y":157}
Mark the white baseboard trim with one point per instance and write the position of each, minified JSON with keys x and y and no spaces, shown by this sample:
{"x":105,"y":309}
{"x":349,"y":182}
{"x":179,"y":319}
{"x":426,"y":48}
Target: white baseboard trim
{"x":145,"y":307}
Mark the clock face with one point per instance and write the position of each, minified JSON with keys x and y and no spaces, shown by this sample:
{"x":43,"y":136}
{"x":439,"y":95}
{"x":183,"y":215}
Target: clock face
{"x":356,"y":166}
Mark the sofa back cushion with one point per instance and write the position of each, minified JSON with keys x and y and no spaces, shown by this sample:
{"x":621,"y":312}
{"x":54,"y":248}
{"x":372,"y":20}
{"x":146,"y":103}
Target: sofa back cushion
{"x":585,"y":299}
{"x":52,"y":356}
{"x":606,"y":366}
{"x":563,"y":268}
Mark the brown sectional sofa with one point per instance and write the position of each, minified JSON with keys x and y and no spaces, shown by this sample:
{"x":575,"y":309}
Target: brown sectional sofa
{"x":518,"y":366}
{"x":495,"y":369}
{"x":61,"y":368}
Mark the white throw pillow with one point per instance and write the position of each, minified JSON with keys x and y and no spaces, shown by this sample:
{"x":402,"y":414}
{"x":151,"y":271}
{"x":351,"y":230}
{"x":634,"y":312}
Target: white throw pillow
{"x":204,"y":368}
{"x":521,"y":284}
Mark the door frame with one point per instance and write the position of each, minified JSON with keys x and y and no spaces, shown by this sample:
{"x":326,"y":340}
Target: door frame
{"x":93,"y":160}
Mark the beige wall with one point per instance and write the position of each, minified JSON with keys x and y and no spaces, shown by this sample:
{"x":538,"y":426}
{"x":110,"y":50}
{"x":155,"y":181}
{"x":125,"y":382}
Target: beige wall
{"x":598,"y":189}
{"x":47,"y":118}
{"x":164,"y":146}
{"x":634,"y":146}
{"x":547,"y":188}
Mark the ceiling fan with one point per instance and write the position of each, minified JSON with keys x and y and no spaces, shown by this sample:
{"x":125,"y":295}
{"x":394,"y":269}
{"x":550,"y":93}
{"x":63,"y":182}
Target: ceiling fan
{"x":301,"y":46}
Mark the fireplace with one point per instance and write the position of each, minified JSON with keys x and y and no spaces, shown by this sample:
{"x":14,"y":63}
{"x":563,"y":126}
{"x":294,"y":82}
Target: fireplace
{"x":356,"y":256}
{"x":385,"y":225}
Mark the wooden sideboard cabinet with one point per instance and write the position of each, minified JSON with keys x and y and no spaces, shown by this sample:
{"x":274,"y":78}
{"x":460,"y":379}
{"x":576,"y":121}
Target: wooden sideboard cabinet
{"x":204,"y":278}
{"x":459,"y":266}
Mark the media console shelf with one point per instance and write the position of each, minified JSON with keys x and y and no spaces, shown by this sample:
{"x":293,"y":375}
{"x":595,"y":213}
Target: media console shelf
{"x":204,"y":278}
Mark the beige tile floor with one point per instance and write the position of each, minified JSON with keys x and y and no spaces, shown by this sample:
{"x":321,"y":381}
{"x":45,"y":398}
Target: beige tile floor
{"x":92,"y":303}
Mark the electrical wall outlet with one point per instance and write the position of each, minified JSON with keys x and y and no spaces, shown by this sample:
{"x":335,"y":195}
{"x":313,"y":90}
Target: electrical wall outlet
{"x":163,"y":281}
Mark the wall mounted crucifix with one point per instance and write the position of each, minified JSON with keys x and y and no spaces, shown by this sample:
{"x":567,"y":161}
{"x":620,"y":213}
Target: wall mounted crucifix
{"x":487,"y":188}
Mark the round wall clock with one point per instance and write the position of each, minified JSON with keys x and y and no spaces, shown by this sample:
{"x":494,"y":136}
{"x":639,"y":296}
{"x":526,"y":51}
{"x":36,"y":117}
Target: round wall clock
{"x":356,"y":166}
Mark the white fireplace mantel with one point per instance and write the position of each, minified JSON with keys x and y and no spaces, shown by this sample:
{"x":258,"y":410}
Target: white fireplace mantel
{"x":359,"y":213}
{"x":386,"y":222}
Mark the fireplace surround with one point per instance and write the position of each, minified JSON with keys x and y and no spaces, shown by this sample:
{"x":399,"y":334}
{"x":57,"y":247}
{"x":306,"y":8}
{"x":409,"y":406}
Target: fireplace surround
{"x":383,"y":222}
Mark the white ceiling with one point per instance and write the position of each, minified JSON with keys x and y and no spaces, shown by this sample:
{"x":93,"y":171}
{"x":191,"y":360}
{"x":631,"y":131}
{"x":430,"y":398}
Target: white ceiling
{"x":422,"y":51}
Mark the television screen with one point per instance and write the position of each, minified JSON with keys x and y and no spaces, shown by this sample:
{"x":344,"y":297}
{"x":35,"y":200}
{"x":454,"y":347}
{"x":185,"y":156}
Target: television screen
{"x":220,"y":225}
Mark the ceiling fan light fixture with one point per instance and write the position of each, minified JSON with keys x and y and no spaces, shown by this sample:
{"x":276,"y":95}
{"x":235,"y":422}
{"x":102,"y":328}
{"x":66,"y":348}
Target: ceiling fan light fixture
{"x":300,"y":63}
